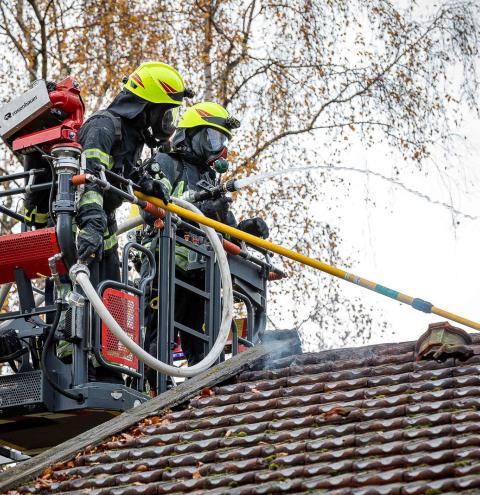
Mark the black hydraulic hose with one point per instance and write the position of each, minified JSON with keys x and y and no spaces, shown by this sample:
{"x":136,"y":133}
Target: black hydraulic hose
{"x":14,"y":355}
{"x":46,"y":348}
{"x":250,"y":315}
{"x":50,"y":196}
{"x":65,"y":238}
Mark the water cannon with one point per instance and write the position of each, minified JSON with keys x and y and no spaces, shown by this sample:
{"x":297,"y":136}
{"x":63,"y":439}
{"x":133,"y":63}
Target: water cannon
{"x":47,"y":114}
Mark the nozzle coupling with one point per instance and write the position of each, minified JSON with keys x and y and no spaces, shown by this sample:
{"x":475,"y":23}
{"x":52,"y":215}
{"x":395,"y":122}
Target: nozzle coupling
{"x":76,"y":269}
{"x":215,"y":192}
{"x":229,"y":186}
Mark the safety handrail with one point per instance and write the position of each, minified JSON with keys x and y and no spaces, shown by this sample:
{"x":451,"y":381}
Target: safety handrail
{"x":80,"y":275}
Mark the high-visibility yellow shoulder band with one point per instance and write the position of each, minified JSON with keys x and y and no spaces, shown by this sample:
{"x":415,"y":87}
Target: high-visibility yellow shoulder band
{"x":91,"y":197}
{"x":35,"y":216}
{"x":110,"y":242}
{"x":179,"y":189}
{"x":167,"y":183}
{"x":100,"y":155}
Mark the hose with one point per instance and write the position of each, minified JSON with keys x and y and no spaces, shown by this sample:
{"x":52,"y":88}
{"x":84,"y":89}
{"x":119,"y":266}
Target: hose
{"x":79,"y":273}
{"x":130,"y":224}
{"x":14,"y":355}
{"x":65,"y":238}
{"x":52,"y":189}
{"x":48,"y":343}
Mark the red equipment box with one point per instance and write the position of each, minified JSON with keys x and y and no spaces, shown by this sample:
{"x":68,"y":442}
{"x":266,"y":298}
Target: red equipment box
{"x":46,"y":114}
{"x":124,"y":308}
{"x":30,"y":252}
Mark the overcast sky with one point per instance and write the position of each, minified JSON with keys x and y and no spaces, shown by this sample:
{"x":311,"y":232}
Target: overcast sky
{"x":406,"y":242}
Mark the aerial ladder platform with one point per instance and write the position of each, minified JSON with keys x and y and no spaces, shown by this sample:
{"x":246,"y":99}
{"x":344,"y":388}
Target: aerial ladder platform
{"x":46,"y":398}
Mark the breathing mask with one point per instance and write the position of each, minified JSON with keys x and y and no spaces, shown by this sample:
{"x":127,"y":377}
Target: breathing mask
{"x":162,"y":122}
{"x":210,"y":145}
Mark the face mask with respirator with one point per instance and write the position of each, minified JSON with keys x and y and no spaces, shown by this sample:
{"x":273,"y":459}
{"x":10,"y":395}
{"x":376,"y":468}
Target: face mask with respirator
{"x":216,"y":139}
{"x":211,"y":145}
{"x":162,"y":122}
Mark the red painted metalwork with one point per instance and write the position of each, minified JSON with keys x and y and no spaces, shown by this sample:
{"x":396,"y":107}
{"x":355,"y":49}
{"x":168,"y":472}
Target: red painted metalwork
{"x":29,"y":251}
{"x":124,"y":308}
{"x":65,"y":97}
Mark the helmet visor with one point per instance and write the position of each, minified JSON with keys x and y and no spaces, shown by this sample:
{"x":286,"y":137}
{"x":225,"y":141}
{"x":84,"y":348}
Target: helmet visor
{"x":215,"y":140}
{"x":163,"y":122}
{"x":208,"y":142}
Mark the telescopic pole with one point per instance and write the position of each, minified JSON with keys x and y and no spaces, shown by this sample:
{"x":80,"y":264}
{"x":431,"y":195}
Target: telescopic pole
{"x":414,"y":302}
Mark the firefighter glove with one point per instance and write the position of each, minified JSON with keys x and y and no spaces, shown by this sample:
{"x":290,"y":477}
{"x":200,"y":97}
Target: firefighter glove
{"x":92,"y":223}
{"x":255,"y":226}
{"x":217,"y":209}
{"x":155,"y":188}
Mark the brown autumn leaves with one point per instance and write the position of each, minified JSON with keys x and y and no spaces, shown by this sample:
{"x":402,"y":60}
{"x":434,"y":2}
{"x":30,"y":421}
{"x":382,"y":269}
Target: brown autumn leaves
{"x":296,"y":73}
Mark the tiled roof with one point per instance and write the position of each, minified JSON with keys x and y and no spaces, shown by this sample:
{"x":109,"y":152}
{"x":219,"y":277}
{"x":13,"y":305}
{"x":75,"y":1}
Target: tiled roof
{"x":353,"y":421}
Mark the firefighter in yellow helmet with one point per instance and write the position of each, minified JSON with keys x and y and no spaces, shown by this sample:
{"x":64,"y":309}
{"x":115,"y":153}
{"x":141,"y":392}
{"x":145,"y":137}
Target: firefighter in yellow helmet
{"x":142,"y":113}
{"x":200,"y":144}
{"x":199,"y":154}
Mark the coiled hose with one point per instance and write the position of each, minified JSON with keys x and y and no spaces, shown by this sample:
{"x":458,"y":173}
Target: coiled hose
{"x":79,"y":273}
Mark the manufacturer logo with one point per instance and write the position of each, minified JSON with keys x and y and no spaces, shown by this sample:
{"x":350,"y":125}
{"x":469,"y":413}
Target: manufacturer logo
{"x":9,"y":115}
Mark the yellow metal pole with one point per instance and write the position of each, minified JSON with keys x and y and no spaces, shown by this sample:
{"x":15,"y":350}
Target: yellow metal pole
{"x":416,"y":303}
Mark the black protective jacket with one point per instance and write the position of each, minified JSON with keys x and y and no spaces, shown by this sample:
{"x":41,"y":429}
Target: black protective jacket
{"x":114,"y":139}
{"x":180,"y":174}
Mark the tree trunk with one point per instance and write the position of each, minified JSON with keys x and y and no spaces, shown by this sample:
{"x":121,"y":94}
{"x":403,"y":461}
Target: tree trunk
{"x":208,"y":94}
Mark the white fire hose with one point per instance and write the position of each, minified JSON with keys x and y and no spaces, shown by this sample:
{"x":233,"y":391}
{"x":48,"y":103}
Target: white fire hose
{"x":130,"y":224}
{"x":80,"y":275}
